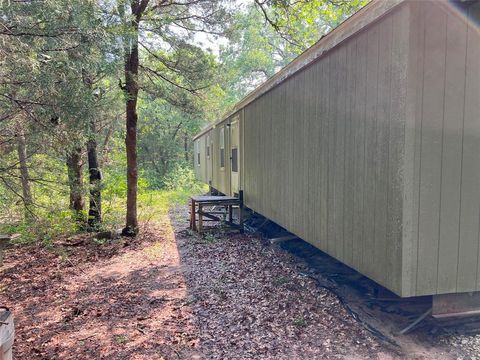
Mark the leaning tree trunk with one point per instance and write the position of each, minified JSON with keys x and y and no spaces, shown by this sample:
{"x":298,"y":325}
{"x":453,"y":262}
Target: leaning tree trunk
{"x":75,"y":182}
{"x":24,"y":176}
{"x":95,"y":177}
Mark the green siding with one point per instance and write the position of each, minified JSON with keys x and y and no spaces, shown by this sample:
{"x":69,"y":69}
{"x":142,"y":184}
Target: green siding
{"x":371,"y":152}
{"x":322,"y":164}
{"x":442,"y":243}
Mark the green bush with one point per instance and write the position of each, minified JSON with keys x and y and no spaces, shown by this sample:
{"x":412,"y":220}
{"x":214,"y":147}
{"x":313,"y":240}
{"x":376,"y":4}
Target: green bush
{"x":180,"y":177}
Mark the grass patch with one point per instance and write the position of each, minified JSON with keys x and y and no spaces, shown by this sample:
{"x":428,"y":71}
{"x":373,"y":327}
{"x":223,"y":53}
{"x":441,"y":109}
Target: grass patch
{"x":300,"y":322}
{"x":281,"y":280}
{"x":153,"y":205}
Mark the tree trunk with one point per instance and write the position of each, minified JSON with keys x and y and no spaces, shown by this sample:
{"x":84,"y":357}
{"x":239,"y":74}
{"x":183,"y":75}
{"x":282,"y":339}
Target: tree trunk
{"x":24,"y":176}
{"x":131,"y":91}
{"x":75,"y":182}
{"x":131,"y":88}
{"x":185,"y":146}
{"x":95,"y":178}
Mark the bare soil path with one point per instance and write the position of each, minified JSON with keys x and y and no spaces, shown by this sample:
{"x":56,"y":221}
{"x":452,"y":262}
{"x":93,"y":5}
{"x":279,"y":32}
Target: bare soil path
{"x":169,"y":294}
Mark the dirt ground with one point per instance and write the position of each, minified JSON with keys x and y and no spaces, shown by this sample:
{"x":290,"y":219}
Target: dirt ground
{"x":170,"y":294}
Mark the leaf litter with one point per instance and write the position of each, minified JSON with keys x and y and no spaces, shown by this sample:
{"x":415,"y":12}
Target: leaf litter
{"x":174,"y":295}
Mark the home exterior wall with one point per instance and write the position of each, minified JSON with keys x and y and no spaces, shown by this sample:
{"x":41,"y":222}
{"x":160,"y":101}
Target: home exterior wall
{"x":324,"y":150}
{"x":441,"y":242}
{"x":371,"y":152}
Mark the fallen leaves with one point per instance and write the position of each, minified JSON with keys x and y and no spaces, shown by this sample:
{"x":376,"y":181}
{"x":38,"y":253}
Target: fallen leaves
{"x":166,"y":295}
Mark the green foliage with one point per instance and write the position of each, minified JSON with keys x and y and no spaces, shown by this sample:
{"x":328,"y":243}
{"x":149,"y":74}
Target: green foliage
{"x":180,"y":177}
{"x":60,"y":62}
{"x":300,"y":322}
{"x":268,"y":35}
{"x":302,"y":23}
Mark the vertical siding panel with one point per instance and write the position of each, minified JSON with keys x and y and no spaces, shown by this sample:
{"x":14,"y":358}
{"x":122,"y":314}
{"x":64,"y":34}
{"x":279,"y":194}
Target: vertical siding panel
{"x":277,"y":128}
{"x":316,"y":91}
{"x":255,"y":154}
{"x":370,"y":141}
{"x":265,"y":139}
{"x":316,"y":154}
{"x":261,"y":145}
{"x":305,"y":194}
{"x":349,"y":153}
{"x":258,"y":154}
{"x":381,"y":148}
{"x":412,"y":148}
{"x":431,"y":150}
{"x":456,"y":42}
{"x":472,"y":102}
{"x":275,"y":179}
{"x":339,"y":179}
{"x":398,"y":85}
{"x":284,"y":153}
{"x":269,"y":179}
{"x":290,"y":150}
{"x":324,"y":117}
{"x":359,"y":128}
{"x":276,"y":205}
{"x":332,"y":116}
{"x":297,"y":154}
{"x":247,"y":157}
{"x":312,"y":165}
{"x":470,"y":200}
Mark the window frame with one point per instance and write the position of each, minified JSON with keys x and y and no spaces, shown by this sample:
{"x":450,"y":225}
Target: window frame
{"x":222,"y":148}
{"x":235,"y":164}
{"x":197,"y":151}
{"x":208,"y":147}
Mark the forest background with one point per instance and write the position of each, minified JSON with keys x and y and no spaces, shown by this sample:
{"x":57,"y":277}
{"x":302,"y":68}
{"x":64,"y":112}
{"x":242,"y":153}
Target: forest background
{"x":99,"y":99}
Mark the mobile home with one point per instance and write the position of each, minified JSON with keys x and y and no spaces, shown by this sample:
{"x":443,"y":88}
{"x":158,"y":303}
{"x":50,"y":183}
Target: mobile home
{"x":368,"y":146}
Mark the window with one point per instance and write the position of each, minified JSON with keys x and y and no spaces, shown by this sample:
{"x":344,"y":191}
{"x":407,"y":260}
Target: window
{"x":235,"y":160}
{"x":222,"y":147}
{"x":208,"y":146}
{"x":197,"y":151}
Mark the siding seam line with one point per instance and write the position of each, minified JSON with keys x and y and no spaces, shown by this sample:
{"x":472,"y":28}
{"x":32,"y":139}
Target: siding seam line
{"x":441,"y":151}
{"x":420,"y":152}
{"x":461,"y":161}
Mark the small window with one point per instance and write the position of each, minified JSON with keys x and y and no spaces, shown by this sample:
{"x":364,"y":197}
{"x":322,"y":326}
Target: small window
{"x":234,"y":160}
{"x":222,"y":147}
{"x":197,"y":151}
{"x":208,"y":146}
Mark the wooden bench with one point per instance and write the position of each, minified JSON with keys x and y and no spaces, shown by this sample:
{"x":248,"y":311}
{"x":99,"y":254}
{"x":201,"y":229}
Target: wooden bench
{"x":203,"y":201}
